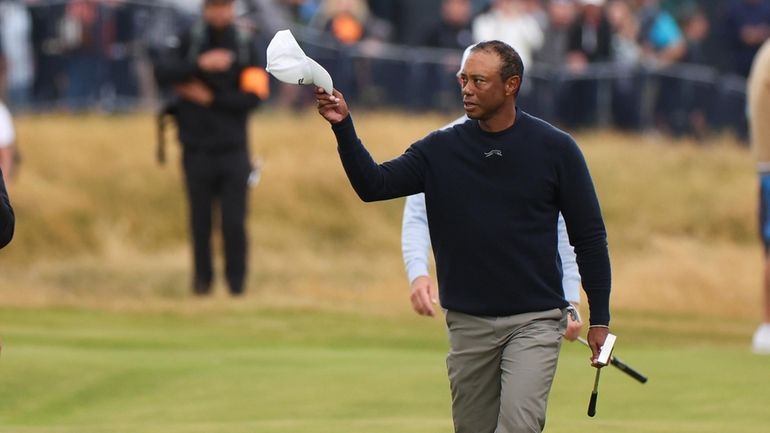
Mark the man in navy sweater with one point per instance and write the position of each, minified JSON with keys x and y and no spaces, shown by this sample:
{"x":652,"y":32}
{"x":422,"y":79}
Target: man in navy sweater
{"x":494,"y":186}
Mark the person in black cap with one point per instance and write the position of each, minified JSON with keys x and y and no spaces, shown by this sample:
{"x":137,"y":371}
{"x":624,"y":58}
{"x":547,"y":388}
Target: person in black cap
{"x":213,"y":74}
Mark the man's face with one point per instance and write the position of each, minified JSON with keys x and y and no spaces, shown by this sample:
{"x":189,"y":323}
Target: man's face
{"x":483,"y":89}
{"x":219,"y":15}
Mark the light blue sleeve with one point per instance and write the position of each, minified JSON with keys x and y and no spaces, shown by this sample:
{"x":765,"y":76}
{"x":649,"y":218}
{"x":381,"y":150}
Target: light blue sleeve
{"x":415,"y":237}
{"x":570,"y":281}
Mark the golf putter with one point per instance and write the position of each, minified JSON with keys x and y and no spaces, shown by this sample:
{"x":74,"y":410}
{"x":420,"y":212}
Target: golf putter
{"x":604,"y":358}
{"x":620,"y":365}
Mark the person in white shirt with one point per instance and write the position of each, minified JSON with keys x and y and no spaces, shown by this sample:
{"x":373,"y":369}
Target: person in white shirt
{"x":513,"y":23}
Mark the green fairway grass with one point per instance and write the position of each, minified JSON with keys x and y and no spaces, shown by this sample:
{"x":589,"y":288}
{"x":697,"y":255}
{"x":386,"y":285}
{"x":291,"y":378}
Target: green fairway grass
{"x":281,"y":371}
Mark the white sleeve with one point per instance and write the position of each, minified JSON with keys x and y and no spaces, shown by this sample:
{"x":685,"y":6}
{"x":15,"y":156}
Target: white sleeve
{"x":415,"y":237}
{"x":570,"y":281}
{"x":7,"y":133}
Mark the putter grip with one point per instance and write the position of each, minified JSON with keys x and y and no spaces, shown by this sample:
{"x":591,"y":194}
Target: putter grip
{"x":592,"y":404}
{"x":628,"y":370}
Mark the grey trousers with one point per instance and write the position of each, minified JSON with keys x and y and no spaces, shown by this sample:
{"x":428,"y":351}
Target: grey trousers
{"x":501,"y":370}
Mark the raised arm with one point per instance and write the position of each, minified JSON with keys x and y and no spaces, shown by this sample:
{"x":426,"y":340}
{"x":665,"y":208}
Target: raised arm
{"x":398,"y":177}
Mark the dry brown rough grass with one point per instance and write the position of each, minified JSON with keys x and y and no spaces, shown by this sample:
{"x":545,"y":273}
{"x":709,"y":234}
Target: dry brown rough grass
{"x":101,"y":224}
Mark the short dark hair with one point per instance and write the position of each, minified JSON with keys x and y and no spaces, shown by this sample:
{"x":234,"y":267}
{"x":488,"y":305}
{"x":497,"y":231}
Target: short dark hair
{"x":511,"y":60}
{"x":217,"y":2}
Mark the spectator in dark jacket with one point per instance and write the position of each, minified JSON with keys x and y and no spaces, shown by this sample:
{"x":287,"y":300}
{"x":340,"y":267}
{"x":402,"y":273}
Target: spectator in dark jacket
{"x":747,"y":26}
{"x":589,"y":41}
{"x":696,"y":97}
{"x":453,"y":31}
{"x":47,"y":50}
{"x":214,"y":75}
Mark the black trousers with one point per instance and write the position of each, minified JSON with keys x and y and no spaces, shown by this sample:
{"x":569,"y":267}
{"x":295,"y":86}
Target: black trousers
{"x":221,"y":180}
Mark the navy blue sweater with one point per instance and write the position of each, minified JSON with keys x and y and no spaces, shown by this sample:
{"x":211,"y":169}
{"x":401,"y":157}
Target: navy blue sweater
{"x":493,"y":201}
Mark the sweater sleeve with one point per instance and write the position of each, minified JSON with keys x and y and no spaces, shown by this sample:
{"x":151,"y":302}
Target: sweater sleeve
{"x":7,"y":219}
{"x":585,"y":226}
{"x":398,"y":177}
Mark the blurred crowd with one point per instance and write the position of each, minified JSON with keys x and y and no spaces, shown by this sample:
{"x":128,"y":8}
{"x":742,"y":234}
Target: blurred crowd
{"x":678,"y":66}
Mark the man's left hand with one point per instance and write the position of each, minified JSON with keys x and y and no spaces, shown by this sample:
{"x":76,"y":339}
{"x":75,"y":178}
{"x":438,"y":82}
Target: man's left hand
{"x":596,"y":337}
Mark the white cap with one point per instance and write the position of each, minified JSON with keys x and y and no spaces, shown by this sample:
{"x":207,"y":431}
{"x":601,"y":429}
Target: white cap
{"x":599,"y":3}
{"x":288,"y":63}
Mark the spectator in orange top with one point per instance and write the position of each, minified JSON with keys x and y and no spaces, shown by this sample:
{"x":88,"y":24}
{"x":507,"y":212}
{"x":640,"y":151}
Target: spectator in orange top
{"x":351,"y":25}
{"x":349,"y":21}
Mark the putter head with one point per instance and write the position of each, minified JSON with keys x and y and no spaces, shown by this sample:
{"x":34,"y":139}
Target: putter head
{"x":606,"y":352}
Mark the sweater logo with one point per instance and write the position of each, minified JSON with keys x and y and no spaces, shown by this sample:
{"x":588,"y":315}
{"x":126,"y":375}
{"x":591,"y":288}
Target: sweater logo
{"x":493,"y":152}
